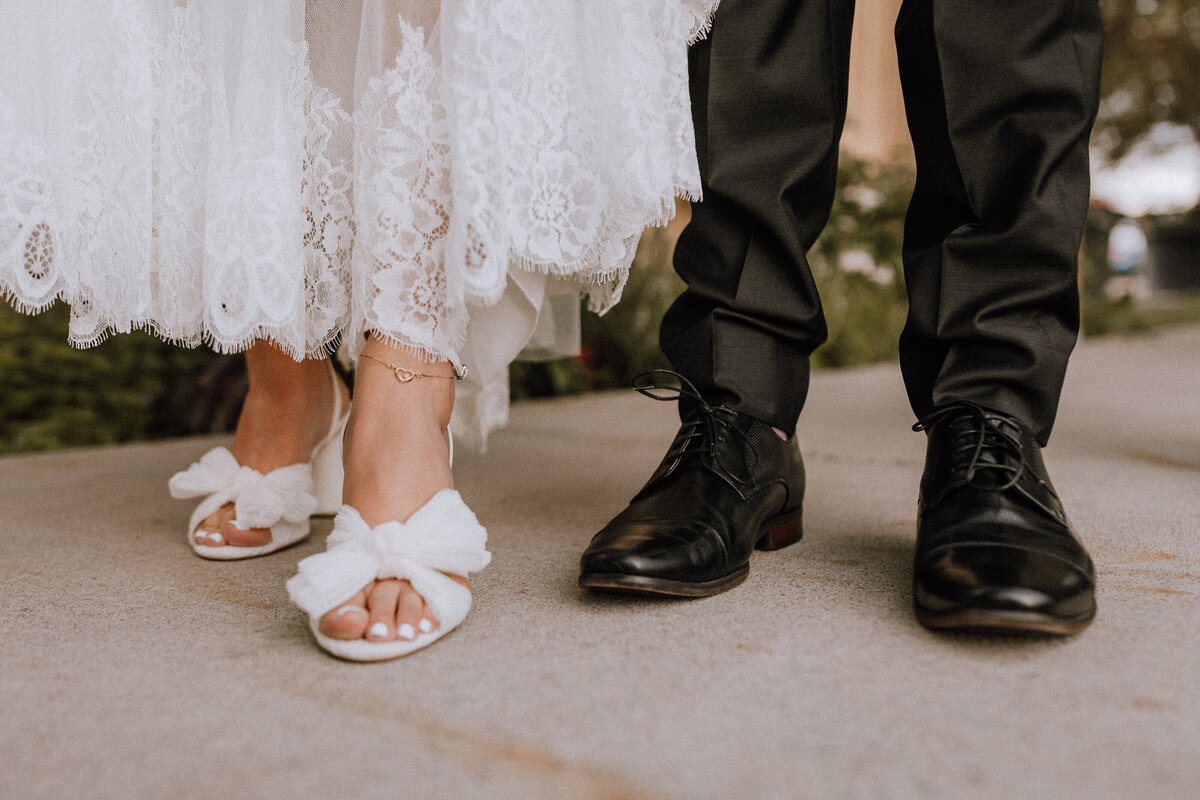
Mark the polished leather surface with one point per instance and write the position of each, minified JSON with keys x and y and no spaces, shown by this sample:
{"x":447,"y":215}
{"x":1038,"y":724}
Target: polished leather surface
{"x":727,"y":484}
{"x":995,"y":549}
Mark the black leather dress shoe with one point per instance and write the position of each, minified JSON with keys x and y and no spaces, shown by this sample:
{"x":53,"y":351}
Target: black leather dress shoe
{"x":727,"y":485}
{"x":995,"y":551}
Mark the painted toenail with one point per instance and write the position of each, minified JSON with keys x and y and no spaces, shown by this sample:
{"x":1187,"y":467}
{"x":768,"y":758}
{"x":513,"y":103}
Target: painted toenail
{"x":379,"y":630}
{"x":425,"y":625}
{"x":346,"y":610}
{"x":216,"y":538}
{"x":406,"y":631}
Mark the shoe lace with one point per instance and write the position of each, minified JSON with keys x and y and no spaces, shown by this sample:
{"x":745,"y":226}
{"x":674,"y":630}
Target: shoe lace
{"x":701,"y":424}
{"x":988,"y":445}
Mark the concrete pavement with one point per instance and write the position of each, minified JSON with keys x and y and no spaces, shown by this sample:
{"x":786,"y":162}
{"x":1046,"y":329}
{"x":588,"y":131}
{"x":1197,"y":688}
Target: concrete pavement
{"x":129,"y":668}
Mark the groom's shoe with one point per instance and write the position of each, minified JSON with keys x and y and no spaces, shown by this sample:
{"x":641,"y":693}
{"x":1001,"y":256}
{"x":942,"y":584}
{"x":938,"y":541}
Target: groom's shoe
{"x":728,"y":484}
{"x":995,"y":551}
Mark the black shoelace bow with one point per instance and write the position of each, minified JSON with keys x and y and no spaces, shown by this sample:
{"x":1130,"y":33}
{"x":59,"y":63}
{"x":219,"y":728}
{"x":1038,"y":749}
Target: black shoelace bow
{"x":700,"y":425}
{"x":974,"y":442}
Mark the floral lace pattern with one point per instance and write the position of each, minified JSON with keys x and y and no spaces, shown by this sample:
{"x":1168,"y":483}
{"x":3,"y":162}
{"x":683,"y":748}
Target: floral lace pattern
{"x":401,"y":167}
{"x":566,"y":183}
{"x":181,"y":169}
{"x":149,"y":206}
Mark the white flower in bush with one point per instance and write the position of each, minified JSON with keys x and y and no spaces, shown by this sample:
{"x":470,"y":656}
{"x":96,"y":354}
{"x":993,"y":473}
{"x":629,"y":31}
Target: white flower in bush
{"x":868,"y":198}
{"x":859,"y":262}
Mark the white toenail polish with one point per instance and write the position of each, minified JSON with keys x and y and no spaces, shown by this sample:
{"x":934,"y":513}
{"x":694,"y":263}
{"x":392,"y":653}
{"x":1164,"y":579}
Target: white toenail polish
{"x":216,"y":538}
{"x":379,"y":630}
{"x":425,"y":625}
{"x":406,"y":631}
{"x":346,"y":610}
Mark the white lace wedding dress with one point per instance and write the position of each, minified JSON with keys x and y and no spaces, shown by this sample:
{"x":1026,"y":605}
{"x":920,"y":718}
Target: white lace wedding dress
{"x":219,"y":171}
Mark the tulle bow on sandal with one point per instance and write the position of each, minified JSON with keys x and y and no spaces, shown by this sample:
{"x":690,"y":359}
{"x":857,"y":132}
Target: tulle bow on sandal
{"x":281,"y":500}
{"x":443,"y":536}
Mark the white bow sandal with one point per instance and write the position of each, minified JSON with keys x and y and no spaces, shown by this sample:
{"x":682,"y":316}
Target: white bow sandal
{"x":282,"y":500}
{"x":443,"y":536}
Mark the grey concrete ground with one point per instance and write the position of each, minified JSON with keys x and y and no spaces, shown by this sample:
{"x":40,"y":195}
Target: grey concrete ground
{"x":132,"y":669}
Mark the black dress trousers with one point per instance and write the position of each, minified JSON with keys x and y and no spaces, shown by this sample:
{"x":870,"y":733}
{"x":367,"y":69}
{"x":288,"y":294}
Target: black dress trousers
{"x":1000,"y":97}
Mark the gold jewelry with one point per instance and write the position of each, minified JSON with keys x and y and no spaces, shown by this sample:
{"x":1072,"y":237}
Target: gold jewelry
{"x":406,"y":375}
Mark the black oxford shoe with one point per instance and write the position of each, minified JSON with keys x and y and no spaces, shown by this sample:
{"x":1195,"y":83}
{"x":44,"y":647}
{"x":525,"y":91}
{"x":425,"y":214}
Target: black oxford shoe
{"x":995,"y":551}
{"x":727,"y":485}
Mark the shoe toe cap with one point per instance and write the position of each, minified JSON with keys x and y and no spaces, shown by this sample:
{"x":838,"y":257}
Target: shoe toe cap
{"x":1002,"y":578}
{"x":665,"y":550}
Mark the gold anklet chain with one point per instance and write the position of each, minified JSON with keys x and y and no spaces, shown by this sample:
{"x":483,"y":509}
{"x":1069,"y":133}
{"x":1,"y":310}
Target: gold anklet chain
{"x":406,"y":375}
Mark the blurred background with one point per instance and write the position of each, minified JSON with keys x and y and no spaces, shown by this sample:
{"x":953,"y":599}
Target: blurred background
{"x":1140,"y":258}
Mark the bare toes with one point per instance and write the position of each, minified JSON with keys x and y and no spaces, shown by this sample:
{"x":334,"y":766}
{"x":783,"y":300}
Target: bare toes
{"x":409,"y":612}
{"x":218,"y":529}
{"x":347,"y":621}
{"x":428,"y":623}
{"x":209,"y":538}
{"x":383,"y":612}
{"x":245,"y":537}
{"x":208,"y":532}
{"x":382,"y":601}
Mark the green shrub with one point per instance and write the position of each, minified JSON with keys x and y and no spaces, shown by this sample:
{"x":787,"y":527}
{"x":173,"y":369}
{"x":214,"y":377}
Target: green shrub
{"x":125,"y":389}
{"x":857,"y":265}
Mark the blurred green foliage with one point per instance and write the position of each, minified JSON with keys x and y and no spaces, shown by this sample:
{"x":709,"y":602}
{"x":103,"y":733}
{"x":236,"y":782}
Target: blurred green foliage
{"x":858,"y":268}
{"x":1151,"y":70}
{"x":128,"y":388}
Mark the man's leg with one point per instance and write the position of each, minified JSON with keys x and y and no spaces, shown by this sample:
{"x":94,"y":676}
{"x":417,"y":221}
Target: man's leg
{"x":768,"y":95}
{"x":1000,"y":99}
{"x":769,"y":102}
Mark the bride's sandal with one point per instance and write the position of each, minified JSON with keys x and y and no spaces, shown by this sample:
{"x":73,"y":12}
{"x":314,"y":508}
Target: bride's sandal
{"x":282,"y":500}
{"x":443,"y":536}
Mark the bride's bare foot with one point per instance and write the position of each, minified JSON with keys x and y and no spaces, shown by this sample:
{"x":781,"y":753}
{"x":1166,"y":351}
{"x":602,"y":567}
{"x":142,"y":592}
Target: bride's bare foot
{"x":287,"y":411}
{"x":396,"y":459}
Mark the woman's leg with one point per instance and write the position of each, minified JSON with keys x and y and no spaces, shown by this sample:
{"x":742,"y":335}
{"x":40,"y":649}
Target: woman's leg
{"x":287,"y":411}
{"x":396,"y":459}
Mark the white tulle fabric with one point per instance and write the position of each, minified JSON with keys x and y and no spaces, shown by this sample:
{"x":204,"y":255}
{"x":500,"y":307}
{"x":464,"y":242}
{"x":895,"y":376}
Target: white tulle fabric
{"x":261,"y":500}
{"x":437,"y":172}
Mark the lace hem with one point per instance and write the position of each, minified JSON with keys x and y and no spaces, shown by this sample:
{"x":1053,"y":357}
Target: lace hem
{"x":178,"y":168}
{"x":215,"y":239}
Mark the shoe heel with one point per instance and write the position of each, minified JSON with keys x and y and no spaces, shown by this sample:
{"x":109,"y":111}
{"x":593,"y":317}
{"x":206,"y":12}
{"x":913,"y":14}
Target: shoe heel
{"x":328,"y":475}
{"x":781,"y":531}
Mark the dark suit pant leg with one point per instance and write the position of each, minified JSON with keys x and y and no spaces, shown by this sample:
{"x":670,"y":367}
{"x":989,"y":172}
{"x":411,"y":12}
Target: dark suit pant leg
{"x":1001,"y":97}
{"x":769,"y":101}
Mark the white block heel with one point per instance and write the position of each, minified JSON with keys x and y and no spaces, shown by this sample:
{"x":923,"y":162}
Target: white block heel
{"x":328,"y":474}
{"x":281,"y":500}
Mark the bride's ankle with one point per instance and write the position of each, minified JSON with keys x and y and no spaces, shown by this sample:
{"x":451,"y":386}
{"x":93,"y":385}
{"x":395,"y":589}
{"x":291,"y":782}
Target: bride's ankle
{"x":288,"y":409}
{"x":396,"y":457}
{"x":396,"y":382}
{"x":287,"y":381}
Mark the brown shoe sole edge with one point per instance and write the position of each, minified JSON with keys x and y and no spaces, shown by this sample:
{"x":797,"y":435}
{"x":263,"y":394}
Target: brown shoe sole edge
{"x":1018,"y":622}
{"x":775,"y":534}
{"x":642,"y":584}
